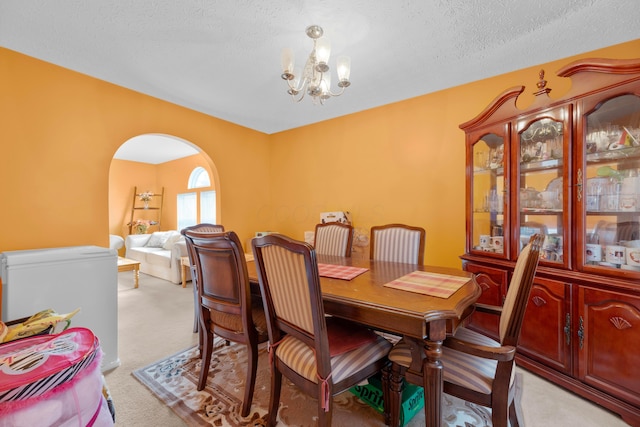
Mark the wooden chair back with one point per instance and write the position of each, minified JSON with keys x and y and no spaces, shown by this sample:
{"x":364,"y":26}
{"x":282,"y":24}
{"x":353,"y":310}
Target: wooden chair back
{"x":397,"y":243}
{"x":290,"y":286}
{"x":198,"y":228}
{"x":225,"y":305}
{"x":223,"y":283}
{"x":333,"y":238}
{"x":515,"y":303}
{"x":299,"y":333}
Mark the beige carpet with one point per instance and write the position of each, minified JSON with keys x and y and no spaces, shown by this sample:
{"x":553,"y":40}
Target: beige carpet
{"x":174,"y":379}
{"x":156,"y":320}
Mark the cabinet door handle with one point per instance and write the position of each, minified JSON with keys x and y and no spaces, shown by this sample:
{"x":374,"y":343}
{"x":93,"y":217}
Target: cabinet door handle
{"x":579,"y":184}
{"x":581,"y":332}
{"x":567,"y":328}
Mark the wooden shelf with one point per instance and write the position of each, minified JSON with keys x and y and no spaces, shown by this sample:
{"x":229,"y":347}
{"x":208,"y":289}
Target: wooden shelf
{"x":157,"y":201}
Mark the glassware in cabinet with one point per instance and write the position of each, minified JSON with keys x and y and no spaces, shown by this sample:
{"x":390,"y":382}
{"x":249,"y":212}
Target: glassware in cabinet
{"x":541,"y":192}
{"x":488,"y":188}
{"x":611,"y":191}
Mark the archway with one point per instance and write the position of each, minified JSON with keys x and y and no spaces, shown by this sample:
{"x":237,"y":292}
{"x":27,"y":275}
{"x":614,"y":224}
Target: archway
{"x":152,"y":162}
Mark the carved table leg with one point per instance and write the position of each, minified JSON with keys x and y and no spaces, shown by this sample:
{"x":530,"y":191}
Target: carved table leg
{"x":432,"y":373}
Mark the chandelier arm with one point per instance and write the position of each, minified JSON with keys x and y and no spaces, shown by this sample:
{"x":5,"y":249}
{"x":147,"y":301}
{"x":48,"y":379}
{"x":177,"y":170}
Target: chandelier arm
{"x":293,"y":97}
{"x":303,"y":84}
{"x":336,"y":94}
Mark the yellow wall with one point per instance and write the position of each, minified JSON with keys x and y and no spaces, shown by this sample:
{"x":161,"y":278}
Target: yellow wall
{"x":59,"y":132}
{"x":403,"y":162}
{"x":172,"y":176}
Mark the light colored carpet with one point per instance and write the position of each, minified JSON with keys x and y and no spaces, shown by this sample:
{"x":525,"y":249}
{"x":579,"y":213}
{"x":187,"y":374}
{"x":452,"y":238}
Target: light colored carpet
{"x":156,"y":321}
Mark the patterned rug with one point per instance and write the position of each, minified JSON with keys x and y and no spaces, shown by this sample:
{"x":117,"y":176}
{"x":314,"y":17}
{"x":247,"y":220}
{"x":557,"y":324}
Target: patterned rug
{"x":173,"y":380}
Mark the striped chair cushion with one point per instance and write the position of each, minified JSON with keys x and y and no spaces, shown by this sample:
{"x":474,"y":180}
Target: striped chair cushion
{"x":460,"y":368}
{"x":512,"y":292}
{"x":287,"y":278}
{"x":300,"y":357}
{"x":396,"y":245}
{"x":332,"y":240}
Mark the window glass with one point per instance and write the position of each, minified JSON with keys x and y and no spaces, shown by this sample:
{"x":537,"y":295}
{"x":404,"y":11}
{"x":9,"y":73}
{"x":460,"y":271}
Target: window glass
{"x":199,"y":178}
{"x":187,"y":210}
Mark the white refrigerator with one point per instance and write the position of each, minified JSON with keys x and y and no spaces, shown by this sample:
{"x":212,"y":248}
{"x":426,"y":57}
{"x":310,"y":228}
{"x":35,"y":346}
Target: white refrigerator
{"x":64,"y":279}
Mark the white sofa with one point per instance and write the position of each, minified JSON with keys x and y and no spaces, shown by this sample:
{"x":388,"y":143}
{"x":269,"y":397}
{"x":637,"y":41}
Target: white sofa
{"x":159,"y":254}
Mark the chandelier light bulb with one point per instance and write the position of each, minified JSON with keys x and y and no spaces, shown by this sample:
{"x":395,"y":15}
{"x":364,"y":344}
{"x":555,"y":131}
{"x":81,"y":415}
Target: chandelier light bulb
{"x":287,"y":62}
{"x":344,"y":70}
{"x":323,"y":51}
{"x":325,"y":86}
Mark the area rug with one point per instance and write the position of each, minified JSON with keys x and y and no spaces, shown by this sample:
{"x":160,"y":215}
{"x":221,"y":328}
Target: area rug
{"x":173,"y":380}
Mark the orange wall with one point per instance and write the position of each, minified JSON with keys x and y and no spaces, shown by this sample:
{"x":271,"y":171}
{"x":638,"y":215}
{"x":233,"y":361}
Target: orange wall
{"x":59,"y":132}
{"x":403,"y":162}
{"x":172,"y":176}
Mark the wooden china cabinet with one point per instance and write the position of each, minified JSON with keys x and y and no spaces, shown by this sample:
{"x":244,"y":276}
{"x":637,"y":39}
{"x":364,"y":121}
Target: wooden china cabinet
{"x":568,"y":167}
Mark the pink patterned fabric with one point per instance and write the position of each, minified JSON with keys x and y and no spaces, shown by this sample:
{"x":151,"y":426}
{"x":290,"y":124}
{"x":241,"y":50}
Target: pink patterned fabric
{"x":432,"y":284}
{"x":32,"y":366}
{"x":343,"y":272}
{"x":76,"y":402}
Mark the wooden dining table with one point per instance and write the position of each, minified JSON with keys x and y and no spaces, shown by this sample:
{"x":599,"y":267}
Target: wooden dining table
{"x":422,"y":319}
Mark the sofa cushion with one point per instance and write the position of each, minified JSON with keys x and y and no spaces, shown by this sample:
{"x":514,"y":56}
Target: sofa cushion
{"x":174,"y":238}
{"x":161,"y":258}
{"x":140,"y":253}
{"x":158,"y":239}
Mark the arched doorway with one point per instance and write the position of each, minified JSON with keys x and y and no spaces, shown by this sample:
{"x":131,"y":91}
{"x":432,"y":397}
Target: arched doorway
{"x":154,"y":162}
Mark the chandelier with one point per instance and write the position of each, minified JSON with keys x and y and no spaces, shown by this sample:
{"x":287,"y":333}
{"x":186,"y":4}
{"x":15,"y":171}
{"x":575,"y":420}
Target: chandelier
{"x":315,"y":78}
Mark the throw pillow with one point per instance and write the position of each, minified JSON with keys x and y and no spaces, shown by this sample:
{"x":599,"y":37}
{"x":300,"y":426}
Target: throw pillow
{"x":158,"y":239}
{"x":174,"y":238}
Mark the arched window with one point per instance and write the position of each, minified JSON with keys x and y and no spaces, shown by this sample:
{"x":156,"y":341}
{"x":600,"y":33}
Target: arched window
{"x":199,"y":178}
{"x":190,"y":212}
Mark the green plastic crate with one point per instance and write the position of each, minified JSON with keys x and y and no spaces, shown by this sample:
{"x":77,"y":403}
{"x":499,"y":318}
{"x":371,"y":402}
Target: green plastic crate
{"x":371,"y":393}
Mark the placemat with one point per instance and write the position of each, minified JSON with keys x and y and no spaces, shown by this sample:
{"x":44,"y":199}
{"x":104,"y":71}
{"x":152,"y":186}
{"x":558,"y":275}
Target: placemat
{"x":432,"y":284}
{"x":343,"y":272}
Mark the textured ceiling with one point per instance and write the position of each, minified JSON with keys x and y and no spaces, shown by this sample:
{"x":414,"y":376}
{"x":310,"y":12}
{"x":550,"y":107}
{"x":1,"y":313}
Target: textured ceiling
{"x":222,"y":57}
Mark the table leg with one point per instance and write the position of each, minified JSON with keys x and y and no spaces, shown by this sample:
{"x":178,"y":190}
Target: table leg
{"x":184,"y":275}
{"x":432,"y":373}
{"x":136,"y":276}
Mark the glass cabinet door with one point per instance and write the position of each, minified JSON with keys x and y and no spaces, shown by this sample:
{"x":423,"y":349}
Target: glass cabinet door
{"x":488,"y":186}
{"x":541,"y":193}
{"x":610,"y":195}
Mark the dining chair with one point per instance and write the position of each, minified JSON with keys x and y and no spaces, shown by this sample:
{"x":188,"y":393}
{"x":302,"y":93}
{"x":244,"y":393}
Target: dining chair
{"x":323,"y":356}
{"x":476,"y":368}
{"x":201,"y":228}
{"x":226,"y":308}
{"x":333,"y":238}
{"x":397,"y":243}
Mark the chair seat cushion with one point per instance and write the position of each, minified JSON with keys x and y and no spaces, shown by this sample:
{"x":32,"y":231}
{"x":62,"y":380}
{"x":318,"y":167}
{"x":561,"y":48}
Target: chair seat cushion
{"x":233,"y":322}
{"x":345,"y":336}
{"x":300,"y":357}
{"x":460,"y":368}
{"x":259,"y":319}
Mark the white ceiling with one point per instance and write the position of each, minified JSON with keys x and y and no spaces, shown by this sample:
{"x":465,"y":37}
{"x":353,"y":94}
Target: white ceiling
{"x":222,"y":57}
{"x":154,"y":149}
